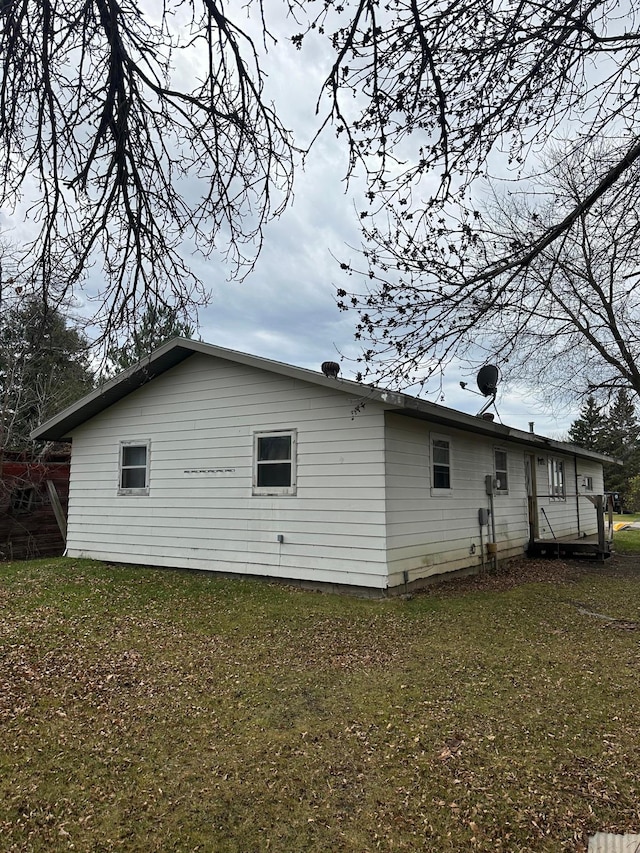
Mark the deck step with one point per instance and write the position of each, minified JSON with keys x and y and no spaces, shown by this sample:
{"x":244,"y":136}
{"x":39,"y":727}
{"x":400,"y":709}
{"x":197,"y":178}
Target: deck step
{"x":577,"y":548}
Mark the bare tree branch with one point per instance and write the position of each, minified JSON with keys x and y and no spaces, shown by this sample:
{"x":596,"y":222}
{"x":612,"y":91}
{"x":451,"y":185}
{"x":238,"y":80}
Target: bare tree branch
{"x":569,"y":320}
{"x":130,"y":170}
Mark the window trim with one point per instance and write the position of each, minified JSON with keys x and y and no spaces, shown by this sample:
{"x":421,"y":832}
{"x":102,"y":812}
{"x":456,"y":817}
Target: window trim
{"x":440,"y":490}
{"x":278,"y":491}
{"x":557,"y":490}
{"x":134,"y":443}
{"x":504,"y":470}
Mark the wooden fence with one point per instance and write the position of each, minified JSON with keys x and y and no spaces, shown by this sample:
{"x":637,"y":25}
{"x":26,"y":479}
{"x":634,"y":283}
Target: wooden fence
{"x":34,"y":495}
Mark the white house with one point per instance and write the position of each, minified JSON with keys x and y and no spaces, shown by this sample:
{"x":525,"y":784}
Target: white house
{"x":206,"y":458}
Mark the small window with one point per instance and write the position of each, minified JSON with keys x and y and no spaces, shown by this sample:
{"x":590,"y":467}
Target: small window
{"x":587,"y":482}
{"x":22,"y":499}
{"x":274,"y":468}
{"x":556,"y":479}
{"x":501,"y":473}
{"x":134,"y":468}
{"x":441,"y":461}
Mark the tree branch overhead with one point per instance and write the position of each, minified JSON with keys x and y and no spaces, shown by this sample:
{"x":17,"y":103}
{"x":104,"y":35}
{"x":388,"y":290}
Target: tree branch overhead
{"x":132,"y":166}
{"x":89,"y":111}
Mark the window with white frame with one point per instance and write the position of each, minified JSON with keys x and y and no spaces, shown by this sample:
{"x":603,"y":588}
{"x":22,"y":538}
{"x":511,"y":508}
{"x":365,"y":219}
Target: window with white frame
{"x":134,"y":468}
{"x":556,"y":479}
{"x":501,"y":470}
{"x":441,"y":462}
{"x":274,"y":463}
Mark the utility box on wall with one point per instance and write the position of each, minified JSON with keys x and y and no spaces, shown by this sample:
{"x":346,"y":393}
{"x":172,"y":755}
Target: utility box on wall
{"x":490,"y":484}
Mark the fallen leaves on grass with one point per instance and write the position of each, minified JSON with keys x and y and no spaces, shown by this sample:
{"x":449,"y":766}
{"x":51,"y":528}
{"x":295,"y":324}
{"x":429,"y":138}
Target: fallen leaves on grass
{"x":168,"y":711}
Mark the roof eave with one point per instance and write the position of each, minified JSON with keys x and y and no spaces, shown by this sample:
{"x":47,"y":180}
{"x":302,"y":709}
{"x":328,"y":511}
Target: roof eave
{"x":60,"y":427}
{"x":422,"y":409}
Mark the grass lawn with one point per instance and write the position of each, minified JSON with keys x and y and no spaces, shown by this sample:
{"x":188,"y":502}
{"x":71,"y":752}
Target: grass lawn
{"x":150,"y":710}
{"x":627,"y":541}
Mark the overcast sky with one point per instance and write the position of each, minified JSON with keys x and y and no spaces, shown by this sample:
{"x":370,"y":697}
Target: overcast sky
{"x":285,"y":309}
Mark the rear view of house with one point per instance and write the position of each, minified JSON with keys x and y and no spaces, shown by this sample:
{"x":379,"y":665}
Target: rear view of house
{"x":206,"y":458}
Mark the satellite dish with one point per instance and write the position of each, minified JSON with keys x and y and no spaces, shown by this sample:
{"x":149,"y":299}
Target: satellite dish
{"x":488,"y":380}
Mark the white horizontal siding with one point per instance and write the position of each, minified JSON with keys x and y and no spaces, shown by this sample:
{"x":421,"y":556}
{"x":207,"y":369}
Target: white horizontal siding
{"x":349,"y":576}
{"x":202,"y":415}
{"x":429,"y":531}
{"x":575,"y":514}
{"x":588,"y":514}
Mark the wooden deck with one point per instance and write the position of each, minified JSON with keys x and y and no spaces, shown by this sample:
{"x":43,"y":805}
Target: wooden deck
{"x":568,"y":546}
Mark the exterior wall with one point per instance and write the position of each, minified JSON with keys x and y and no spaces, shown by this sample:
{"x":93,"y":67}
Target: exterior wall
{"x":575,"y":514}
{"x":430,"y":531}
{"x":200,"y":418}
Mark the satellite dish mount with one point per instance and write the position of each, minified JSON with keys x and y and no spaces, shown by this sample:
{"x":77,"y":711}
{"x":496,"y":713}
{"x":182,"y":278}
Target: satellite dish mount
{"x":488,"y":377}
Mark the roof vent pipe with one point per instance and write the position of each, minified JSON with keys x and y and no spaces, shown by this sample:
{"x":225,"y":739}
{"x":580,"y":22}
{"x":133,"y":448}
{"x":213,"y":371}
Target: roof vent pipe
{"x":530,"y":426}
{"x":330,"y":369}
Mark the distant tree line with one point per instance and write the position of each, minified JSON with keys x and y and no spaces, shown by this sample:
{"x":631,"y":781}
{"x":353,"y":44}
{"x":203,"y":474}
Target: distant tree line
{"x":46,"y":362}
{"x":614,"y":430}
{"x":44,"y":366}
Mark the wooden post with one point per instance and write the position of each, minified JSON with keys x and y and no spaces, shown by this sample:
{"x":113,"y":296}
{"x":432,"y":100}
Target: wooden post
{"x":58,"y":510}
{"x":602,"y":541}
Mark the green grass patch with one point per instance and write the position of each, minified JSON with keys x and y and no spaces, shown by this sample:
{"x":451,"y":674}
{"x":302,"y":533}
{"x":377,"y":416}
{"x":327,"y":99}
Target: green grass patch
{"x":151,"y":710}
{"x":627,"y":541}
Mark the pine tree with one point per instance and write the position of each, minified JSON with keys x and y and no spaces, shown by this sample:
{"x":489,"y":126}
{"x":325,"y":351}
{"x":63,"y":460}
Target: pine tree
{"x":623,"y":427}
{"x":621,"y":439}
{"x":44,"y":366}
{"x":157,"y":325}
{"x":586,"y":431}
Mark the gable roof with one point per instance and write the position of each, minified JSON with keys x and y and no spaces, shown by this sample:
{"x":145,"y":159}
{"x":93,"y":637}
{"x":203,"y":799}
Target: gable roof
{"x":177,"y":350}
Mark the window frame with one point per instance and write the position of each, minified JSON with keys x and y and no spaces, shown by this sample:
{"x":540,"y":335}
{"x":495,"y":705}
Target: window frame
{"x":143,"y":490}
{"x":440,"y":490}
{"x":22,"y":499}
{"x":497,"y":469}
{"x":557,"y":484}
{"x":275,"y":491}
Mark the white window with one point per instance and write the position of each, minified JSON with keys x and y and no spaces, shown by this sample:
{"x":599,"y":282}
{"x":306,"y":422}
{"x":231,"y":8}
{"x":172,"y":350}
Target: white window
{"x":587,"y":482}
{"x":556,"y":479}
{"x":501,"y":471}
{"x":440,"y":463}
{"x":274,"y":463}
{"x":134,"y":468}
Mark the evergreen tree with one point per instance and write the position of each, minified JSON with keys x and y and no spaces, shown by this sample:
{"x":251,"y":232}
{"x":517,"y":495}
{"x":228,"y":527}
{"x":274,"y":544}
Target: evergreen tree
{"x":623,"y":427}
{"x":586,"y":431}
{"x":44,"y":366}
{"x":633,"y":494}
{"x":621,"y":439}
{"x":157,"y":325}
